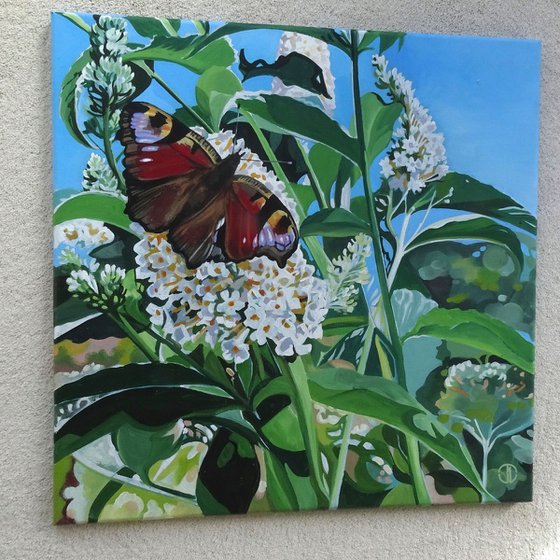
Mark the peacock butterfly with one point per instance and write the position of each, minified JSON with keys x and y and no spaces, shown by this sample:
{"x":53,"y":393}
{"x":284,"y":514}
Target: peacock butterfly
{"x":177,"y":182}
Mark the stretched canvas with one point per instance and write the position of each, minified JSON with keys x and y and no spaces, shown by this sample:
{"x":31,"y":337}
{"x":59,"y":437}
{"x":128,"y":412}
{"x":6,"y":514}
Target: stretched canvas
{"x":294,"y":268}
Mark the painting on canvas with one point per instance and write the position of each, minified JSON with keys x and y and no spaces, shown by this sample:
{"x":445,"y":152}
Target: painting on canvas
{"x":294,"y":268}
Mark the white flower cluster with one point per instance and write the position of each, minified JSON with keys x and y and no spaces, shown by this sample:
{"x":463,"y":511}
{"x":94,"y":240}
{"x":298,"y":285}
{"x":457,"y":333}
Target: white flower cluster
{"x":82,"y":233}
{"x":98,"y":176}
{"x":318,"y":52}
{"x":229,"y":305}
{"x":417,"y":154}
{"x":106,"y":77}
{"x":467,"y":372}
{"x":348,"y":271}
{"x":101,"y":289}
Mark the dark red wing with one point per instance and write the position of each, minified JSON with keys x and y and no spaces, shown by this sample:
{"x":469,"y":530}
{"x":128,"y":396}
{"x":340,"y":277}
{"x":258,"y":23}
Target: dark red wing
{"x":195,"y":236}
{"x":257,"y":223}
{"x":163,"y":160}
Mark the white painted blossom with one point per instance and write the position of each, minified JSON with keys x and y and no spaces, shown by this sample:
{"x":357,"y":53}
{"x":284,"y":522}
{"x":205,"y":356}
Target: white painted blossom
{"x":318,"y":52}
{"x":469,"y":372}
{"x":106,"y":78}
{"x":98,"y":176}
{"x":82,"y":233}
{"x":229,"y":305}
{"x":347,"y":272}
{"x":417,"y":154}
{"x":101,"y":289}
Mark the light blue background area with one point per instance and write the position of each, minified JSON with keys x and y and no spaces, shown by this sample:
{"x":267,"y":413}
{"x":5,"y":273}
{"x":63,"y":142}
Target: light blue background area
{"x":482,"y":93}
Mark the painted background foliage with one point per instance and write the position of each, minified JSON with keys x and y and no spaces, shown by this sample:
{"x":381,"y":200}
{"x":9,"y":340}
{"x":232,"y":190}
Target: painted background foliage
{"x":385,"y":359}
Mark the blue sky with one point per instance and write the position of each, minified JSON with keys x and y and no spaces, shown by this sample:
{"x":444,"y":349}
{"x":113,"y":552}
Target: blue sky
{"x":482,"y":93}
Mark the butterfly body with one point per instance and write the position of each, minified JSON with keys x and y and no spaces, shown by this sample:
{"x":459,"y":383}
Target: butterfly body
{"x":177,"y":182}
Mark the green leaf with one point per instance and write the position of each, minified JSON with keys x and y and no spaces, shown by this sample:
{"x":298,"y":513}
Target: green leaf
{"x":214,"y":90}
{"x":93,"y":206}
{"x":379,"y":121}
{"x":469,"y":228}
{"x":294,"y":69}
{"x":186,"y":52}
{"x":71,"y":310}
{"x":286,"y":115}
{"x":386,"y":40}
{"x":229,"y":475}
{"x":140,"y":447}
{"x":329,"y":36}
{"x":333,"y":222}
{"x":389,"y":403}
{"x":279,"y":419}
{"x":402,"y":495}
{"x":69,"y":98}
{"x":477,"y":329}
{"x":325,"y":163}
{"x":152,"y":27}
{"x":473,"y":196}
{"x":148,"y":394}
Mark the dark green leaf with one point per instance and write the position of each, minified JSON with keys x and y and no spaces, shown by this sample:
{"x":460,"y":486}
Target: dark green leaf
{"x":140,"y":447}
{"x":477,"y":329}
{"x":214,"y":90}
{"x":325,"y":163}
{"x":294,"y":69}
{"x":388,"y":402}
{"x":386,"y":40}
{"x":186,"y":52}
{"x":152,"y":27}
{"x":469,"y":228}
{"x":229,"y":475}
{"x":93,"y":206}
{"x":281,"y":114}
{"x":71,"y":310}
{"x":461,"y":192}
{"x":334,"y":222}
{"x":327,"y":35}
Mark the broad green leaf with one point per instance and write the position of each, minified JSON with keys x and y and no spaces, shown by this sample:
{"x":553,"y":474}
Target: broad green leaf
{"x":467,"y":228}
{"x":325,"y":163}
{"x":386,"y":40}
{"x":152,"y":27}
{"x":462,"y":192}
{"x":379,"y":120}
{"x":277,"y":113}
{"x":327,"y":35}
{"x":72,"y":310}
{"x":477,"y":329}
{"x":229,"y":475}
{"x":279,"y":421}
{"x":93,"y":206}
{"x":334,"y":222}
{"x":294,"y":69}
{"x":137,"y":376}
{"x":186,"y":52}
{"x":214,"y":90}
{"x":148,"y":394}
{"x":389,"y":403}
{"x":140,"y":447}
{"x":402,"y":495}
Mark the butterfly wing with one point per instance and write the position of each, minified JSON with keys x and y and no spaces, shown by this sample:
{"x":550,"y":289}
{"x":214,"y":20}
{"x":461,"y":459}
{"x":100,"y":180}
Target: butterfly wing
{"x":165,"y":161}
{"x":256,"y":223}
{"x":194,"y":236}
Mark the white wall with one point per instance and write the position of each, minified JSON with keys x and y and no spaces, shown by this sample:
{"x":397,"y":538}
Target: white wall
{"x":525,"y":531}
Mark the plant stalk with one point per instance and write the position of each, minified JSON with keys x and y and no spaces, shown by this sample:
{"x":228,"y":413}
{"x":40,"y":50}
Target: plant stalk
{"x":129,"y":330}
{"x":421,"y":493}
{"x":109,"y":154}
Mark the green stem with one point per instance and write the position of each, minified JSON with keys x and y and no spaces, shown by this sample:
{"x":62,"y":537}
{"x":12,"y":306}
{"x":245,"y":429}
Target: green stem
{"x":347,"y":429}
{"x":319,"y":194}
{"x":297,"y":375}
{"x":109,"y":154}
{"x":316,"y":249}
{"x":129,"y":330}
{"x":420,"y":490}
{"x":155,"y":76}
{"x":200,"y":29}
